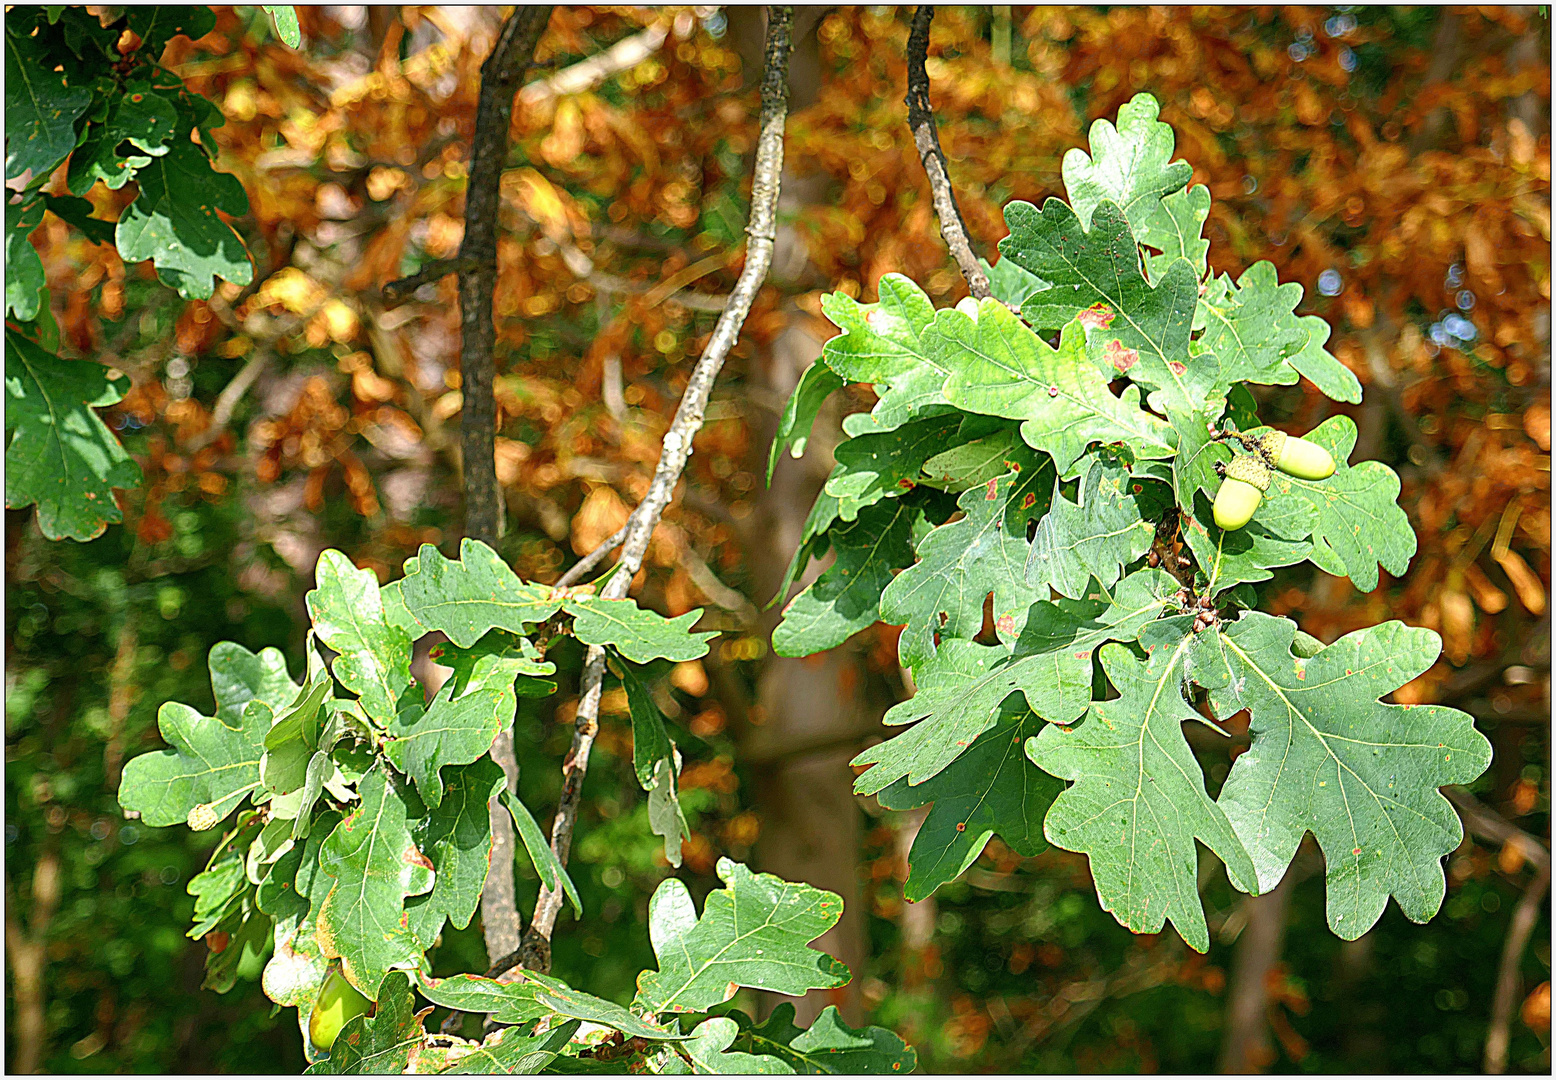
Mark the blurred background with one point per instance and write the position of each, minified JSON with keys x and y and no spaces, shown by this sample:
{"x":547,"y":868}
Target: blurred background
{"x":1395,"y":161}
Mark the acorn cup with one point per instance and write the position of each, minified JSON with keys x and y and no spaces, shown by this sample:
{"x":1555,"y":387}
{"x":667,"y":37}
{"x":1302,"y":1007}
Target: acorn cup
{"x":1296,"y":457}
{"x":1242,"y":489}
{"x":338,"y":1002}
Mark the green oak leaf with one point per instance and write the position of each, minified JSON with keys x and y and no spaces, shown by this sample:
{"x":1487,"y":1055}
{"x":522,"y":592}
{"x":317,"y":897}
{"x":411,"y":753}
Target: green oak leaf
{"x":528,"y":662}
{"x":391,"y":1040}
{"x":173,"y":222}
{"x":293,"y":739}
{"x":41,"y":109}
{"x":1095,"y":537}
{"x":78,"y":213}
{"x":137,"y":114}
{"x":1174,"y":229}
{"x":60,"y":455}
{"x":1356,"y":518}
{"x":999,"y":367}
{"x":973,"y":462}
{"x":456,"y":728}
{"x":753,"y":932}
{"x":533,"y":996}
{"x":991,"y":788}
{"x":348,"y":616}
{"x":1011,"y":284}
{"x":465,"y":599}
{"x":1329,"y":758}
{"x":1138,"y":800}
{"x":547,"y":865}
{"x":457,"y":836}
{"x":248,"y":946}
{"x":239,"y":677}
{"x":1229,"y":558}
{"x":25,"y":285}
{"x":657,"y":764}
{"x":710,"y":1054}
{"x":1333,"y":378}
{"x":881,"y":343}
{"x":964,"y":561}
{"x":375,"y":864}
{"x":799,"y":415}
{"x":1129,"y":166}
{"x":846,"y":598}
{"x":828,"y":1047}
{"x":1194,"y":466}
{"x":212,"y":764}
{"x":1102,"y":266}
{"x":285,"y":18}
{"x":961,"y":689}
{"x":222,"y":884}
{"x":1249,"y":328}
{"x":879,"y":465}
{"x":636,"y":633}
{"x":510,"y":1051}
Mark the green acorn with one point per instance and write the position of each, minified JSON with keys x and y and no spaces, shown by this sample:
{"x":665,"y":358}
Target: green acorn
{"x":1296,"y":457}
{"x":1244,"y":486}
{"x":338,"y":1002}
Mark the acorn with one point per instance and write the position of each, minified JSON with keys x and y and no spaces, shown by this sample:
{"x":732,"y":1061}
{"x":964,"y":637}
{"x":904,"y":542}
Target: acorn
{"x":338,"y":1002}
{"x":1296,"y":457}
{"x":1246,"y":481}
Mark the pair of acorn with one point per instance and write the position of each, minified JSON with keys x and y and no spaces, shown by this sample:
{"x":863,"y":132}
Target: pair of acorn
{"x":1245,"y":478}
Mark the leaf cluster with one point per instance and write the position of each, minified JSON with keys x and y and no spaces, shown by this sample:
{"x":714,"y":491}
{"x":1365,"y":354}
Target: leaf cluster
{"x":74,"y":99}
{"x":1030,"y":499}
{"x":360,"y":825}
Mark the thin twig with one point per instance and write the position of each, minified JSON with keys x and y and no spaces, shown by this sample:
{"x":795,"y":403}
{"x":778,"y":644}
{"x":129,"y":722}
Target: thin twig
{"x":576,"y":572}
{"x":761,"y":232}
{"x":500,"y":78}
{"x":586,"y":74}
{"x":1509,"y":981}
{"x":921,"y":121}
{"x":397,"y":292}
{"x":227,"y":401}
{"x":1484,"y":822}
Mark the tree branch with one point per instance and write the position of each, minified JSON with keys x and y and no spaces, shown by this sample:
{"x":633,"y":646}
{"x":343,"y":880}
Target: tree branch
{"x":921,"y":121}
{"x":500,"y":77}
{"x":761,"y":231}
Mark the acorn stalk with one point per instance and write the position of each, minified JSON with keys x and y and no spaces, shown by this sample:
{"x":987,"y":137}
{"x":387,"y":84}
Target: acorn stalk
{"x":1246,"y":481}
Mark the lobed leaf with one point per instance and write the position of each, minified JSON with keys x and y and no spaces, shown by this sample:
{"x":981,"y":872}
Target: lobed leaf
{"x":753,"y":932}
{"x":1138,"y":800}
{"x":1328,"y":757}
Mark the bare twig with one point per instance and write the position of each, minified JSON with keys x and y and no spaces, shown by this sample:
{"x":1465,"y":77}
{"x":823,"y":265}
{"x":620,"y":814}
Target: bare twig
{"x":626,"y":53}
{"x":397,"y":292}
{"x":227,"y":401}
{"x":576,"y":572}
{"x":26,"y":951}
{"x":761,"y":231}
{"x":500,"y":77}
{"x":1484,"y":822}
{"x":921,"y":121}
{"x":1509,"y":980}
